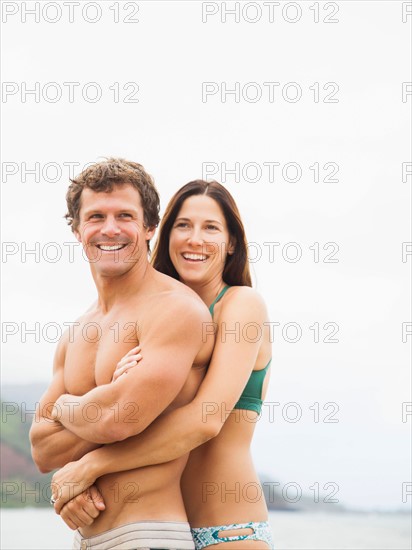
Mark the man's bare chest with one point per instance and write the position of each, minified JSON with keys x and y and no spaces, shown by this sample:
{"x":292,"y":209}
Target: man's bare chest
{"x":95,"y":346}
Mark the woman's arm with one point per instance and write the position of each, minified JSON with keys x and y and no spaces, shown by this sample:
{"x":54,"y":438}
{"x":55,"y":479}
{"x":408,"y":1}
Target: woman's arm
{"x":176,"y":433}
{"x":167,"y":438}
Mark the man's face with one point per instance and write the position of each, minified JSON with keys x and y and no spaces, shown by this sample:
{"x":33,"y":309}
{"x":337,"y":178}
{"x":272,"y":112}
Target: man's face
{"x":112,"y":230}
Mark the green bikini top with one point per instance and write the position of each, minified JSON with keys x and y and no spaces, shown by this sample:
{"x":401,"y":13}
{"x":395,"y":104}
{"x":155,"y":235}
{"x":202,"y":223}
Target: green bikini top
{"x":251,"y":398}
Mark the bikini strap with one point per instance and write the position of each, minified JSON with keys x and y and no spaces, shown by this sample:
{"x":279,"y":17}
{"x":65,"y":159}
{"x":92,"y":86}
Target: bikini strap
{"x":219,"y":296}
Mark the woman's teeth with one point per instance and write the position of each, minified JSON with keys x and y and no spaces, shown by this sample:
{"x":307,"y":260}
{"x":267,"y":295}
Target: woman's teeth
{"x":195,"y":257}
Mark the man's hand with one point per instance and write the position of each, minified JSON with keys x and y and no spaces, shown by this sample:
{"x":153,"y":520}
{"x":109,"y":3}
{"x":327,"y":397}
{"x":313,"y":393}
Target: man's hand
{"x":83,"y":509}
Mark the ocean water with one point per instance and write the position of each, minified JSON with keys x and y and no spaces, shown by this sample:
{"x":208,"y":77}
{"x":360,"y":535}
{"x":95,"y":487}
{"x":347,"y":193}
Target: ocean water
{"x":42,"y":529}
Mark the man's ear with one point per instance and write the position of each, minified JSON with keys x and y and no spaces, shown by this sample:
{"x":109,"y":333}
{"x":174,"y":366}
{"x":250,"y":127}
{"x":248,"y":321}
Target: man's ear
{"x":77,"y":235}
{"x":150,"y":231}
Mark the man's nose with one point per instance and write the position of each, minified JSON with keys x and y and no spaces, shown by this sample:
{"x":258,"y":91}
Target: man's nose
{"x":110,"y":227}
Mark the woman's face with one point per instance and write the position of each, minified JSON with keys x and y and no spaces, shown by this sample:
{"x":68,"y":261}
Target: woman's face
{"x":199,"y":241}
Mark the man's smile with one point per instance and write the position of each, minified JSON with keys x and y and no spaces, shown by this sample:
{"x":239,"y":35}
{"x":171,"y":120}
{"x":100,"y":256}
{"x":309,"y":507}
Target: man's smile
{"x":111,"y":247}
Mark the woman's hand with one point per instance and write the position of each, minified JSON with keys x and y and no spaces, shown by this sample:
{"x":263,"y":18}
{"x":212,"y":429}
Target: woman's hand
{"x":83,"y":509}
{"x":70,"y":481}
{"x":127,"y":362}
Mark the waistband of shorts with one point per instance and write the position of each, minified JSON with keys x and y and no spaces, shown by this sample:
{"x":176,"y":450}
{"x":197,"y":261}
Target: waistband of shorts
{"x":173,"y":535}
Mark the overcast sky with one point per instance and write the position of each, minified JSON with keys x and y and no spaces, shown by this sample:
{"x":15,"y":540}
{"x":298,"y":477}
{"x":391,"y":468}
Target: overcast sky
{"x":302,"y":109}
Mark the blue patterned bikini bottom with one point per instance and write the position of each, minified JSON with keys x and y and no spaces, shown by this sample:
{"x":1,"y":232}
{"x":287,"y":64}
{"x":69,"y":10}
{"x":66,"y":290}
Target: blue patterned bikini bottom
{"x":207,"y":536}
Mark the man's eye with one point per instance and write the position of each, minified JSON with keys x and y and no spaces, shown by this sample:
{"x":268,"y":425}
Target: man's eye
{"x":95,"y":216}
{"x":125,"y":215}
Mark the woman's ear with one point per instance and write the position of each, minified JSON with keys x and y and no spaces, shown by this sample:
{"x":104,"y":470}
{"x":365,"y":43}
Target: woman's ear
{"x":231,"y":248}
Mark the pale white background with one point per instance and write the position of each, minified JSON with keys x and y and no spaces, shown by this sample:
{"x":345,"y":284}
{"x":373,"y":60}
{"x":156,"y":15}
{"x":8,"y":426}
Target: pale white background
{"x":169,"y":53}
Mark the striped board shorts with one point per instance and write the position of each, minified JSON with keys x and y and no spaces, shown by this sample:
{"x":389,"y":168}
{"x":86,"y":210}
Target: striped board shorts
{"x":140,"y":535}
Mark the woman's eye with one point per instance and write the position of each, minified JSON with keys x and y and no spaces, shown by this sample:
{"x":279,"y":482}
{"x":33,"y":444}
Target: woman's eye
{"x":182,"y":224}
{"x":212,"y":227}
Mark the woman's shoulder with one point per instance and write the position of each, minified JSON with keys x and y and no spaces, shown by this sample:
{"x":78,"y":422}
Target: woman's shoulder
{"x":245,"y":293}
{"x":245,"y":299}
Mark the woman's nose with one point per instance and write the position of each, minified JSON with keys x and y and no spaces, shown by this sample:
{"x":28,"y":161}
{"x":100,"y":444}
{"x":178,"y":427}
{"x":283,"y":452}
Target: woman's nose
{"x":195,"y":237}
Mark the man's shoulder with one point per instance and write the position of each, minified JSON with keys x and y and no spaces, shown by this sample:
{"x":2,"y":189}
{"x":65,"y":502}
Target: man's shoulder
{"x":180,"y":302}
{"x":170,"y":302}
{"x":169,"y":292}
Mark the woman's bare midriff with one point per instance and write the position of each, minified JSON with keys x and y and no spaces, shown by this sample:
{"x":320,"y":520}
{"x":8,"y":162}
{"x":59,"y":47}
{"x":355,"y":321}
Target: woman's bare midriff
{"x":220,"y":485}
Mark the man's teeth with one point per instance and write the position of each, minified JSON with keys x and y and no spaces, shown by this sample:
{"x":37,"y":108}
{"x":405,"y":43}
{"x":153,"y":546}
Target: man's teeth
{"x":194,"y":257}
{"x":109,"y":248}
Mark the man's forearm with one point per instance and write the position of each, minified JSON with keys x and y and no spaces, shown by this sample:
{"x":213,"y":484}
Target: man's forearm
{"x":53,"y":445}
{"x":111,"y":412}
{"x":90,"y":416}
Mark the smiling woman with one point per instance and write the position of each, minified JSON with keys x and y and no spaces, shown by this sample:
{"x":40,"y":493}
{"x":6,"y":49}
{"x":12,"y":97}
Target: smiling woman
{"x":200,"y":241}
{"x":221,"y":219}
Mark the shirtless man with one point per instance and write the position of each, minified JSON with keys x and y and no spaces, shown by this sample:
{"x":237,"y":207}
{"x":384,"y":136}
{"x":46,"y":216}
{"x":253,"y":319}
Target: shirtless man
{"x":113,"y":210}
